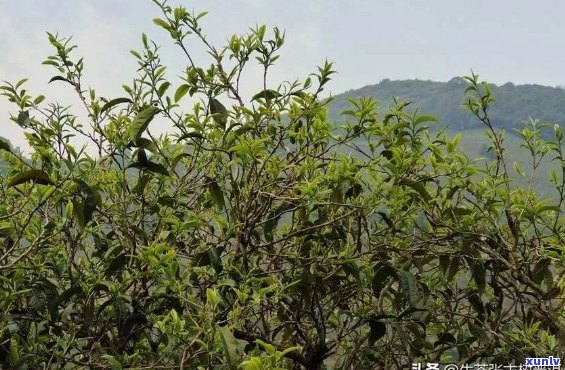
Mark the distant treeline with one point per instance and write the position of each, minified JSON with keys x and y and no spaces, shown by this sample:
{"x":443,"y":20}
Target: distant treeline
{"x":514,"y":105}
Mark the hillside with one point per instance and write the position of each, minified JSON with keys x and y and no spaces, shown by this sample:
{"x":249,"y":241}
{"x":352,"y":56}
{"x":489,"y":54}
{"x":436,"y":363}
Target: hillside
{"x":514,"y":103}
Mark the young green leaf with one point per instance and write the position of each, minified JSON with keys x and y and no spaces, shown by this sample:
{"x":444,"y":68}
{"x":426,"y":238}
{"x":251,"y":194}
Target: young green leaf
{"x":38,"y":99}
{"x":163,"y":88}
{"x":181,"y":91}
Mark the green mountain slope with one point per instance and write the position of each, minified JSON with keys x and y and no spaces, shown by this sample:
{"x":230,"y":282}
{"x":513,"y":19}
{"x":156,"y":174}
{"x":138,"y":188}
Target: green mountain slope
{"x":514,"y":105}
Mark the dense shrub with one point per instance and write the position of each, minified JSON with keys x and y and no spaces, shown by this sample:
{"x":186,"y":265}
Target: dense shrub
{"x":260,"y":235}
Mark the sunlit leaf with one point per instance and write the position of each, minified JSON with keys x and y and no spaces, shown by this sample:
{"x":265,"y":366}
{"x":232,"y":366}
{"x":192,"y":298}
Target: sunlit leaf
{"x":163,"y":88}
{"x":424,"y":118}
{"x":181,"y":91}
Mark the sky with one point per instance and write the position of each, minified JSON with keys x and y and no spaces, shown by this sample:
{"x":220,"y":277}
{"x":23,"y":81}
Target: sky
{"x":519,"y":41}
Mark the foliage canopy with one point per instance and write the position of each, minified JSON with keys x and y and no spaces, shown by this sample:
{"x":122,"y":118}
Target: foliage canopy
{"x":260,"y":235}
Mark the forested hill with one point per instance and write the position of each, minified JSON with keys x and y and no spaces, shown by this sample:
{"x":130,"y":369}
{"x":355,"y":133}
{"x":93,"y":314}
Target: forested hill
{"x":514,"y":103}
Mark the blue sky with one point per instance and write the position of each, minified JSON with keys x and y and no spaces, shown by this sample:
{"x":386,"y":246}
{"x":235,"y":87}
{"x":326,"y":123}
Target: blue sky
{"x":506,"y":40}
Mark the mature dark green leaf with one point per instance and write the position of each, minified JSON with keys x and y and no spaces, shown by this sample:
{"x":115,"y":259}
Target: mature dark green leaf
{"x":354,"y":191}
{"x":4,"y":145}
{"x":230,"y":345}
{"x":217,"y":194}
{"x":79,"y":214}
{"x":215,"y":260}
{"x":61,"y":78}
{"x":452,"y":191}
{"x":479,"y":275}
{"x":476,"y":302}
{"x":99,"y":287}
{"x":410,"y":287}
{"x":151,"y":167}
{"x":36,"y":176}
{"x":141,"y":121}
{"x":419,"y":188}
{"x":267,"y":95}
{"x":453,"y":267}
{"x":90,"y":202}
{"x":445,"y":338}
{"x":141,"y":184}
{"x":117,"y":264}
{"x":219,"y":112}
{"x":377,"y":331}
{"x":142,"y":157}
{"x":23,"y":119}
{"x":112,"y":103}
{"x":69,"y":293}
{"x":380,"y":276}
{"x":144,"y":143}
{"x":387,"y":154}
{"x":444,"y":262}
{"x":387,"y":220}
{"x":193,"y":135}
{"x":269,"y":227}
{"x":460,"y":211}
{"x":541,"y":270}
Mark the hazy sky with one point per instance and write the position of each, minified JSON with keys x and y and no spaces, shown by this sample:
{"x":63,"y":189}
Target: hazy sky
{"x":505,"y":40}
